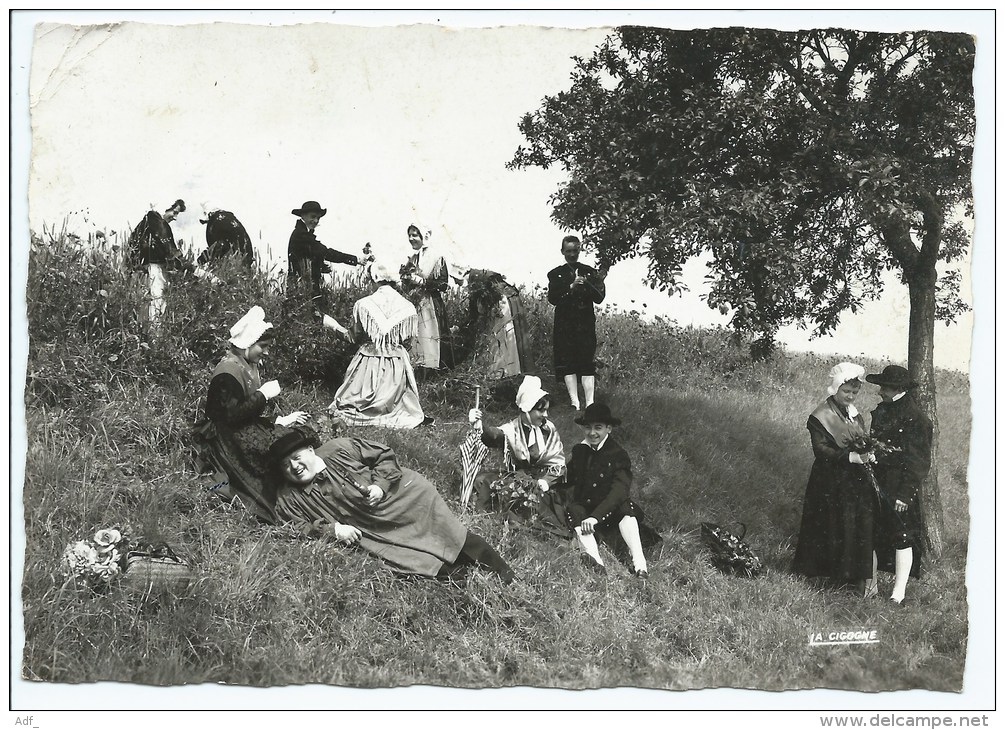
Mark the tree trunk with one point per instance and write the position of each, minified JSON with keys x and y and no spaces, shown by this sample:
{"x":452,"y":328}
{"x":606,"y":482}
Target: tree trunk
{"x":920,"y":363}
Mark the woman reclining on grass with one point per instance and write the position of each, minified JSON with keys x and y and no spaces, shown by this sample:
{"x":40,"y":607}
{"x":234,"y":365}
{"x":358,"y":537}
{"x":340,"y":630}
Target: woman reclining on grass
{"x":354,"y":491}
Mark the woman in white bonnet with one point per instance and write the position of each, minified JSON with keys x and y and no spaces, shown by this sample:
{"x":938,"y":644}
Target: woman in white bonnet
{"x":836,"y":533}
{"x":241,"y":420}
{"x":425,"y":276}
{"x":379,"y":388}
{"x":532,"y":449}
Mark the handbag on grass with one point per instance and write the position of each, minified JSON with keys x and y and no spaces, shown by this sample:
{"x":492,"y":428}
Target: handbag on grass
{"x":156,"y":566}
{"x":730,"y":554}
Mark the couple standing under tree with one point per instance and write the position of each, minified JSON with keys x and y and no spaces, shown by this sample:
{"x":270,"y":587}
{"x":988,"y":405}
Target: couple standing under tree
{"x":862,"y":509}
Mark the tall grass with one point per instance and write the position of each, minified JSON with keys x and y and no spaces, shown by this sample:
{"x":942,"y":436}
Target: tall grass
{"x":712,"y":435}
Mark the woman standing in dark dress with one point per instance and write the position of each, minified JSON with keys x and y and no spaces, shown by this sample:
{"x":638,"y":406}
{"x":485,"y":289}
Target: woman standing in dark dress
{"x":573,"y":289}
{"x":241,"y":423}
{"x":836,"y":534}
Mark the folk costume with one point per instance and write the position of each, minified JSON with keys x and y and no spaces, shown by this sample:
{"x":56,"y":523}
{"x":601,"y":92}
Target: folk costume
{"x":836,"y":531}
{"x":431,"y":268}
{"x":241,"y":422}
{"x":533,"y":458}
{"x":153,"y":252}
{"x":411,"y":528}
{"x":599,"y":484}
{"x":901,"y":424}
{"x":225,"y":236}
{"x":379,"y":388}
{"x":307,"y":255}
{"x":575,"y":339}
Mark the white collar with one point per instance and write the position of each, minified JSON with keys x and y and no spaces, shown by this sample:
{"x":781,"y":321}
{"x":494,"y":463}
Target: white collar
{"x":898,"y":396}
{"x":600,"y":445}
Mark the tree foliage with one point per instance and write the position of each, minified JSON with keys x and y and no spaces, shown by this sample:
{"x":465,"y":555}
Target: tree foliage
{"x":802,"y":164}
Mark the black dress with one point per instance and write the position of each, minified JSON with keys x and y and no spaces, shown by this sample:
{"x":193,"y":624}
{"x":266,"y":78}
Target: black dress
{"x":902,"y":425}
{"x":226,"y":236}
{"x":236,"y":437}
{"x":575,"y":332}
{"x":836,"y":533}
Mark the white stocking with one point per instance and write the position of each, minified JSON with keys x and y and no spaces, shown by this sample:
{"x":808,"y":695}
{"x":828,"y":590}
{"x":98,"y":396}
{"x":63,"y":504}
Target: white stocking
{"x":589,"y":383}
{"x":629,"y":527}
{"x":588,"y":544}
{"x":572,"y":386}
{"x":904,"y":562}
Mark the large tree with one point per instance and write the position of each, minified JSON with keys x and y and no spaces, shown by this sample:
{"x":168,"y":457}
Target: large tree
{"x":802,"y":164}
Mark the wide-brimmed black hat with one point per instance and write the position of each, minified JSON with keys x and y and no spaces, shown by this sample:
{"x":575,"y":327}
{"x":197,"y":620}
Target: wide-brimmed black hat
{"x":311,"y":206}
{"x":598,"y":413}
{"x":893,"y":376}
{"x":286,"y":445}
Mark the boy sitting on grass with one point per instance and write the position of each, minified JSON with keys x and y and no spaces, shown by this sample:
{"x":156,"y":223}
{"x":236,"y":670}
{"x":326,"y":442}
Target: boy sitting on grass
{"x":599,"y":482}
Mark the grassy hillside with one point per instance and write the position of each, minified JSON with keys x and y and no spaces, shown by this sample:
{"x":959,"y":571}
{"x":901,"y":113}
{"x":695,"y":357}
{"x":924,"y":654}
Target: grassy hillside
{"x":712,"y":436}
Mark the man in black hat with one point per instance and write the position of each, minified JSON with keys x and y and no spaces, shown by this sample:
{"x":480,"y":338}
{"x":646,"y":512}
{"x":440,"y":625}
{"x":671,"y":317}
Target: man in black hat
{"x":900,"y":423}
{"x":307,"y":255}
{"x":599,"y":481}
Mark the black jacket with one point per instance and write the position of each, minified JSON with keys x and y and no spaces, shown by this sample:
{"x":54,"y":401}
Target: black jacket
{"x":307,"y":256}
{"x":599,"y":480}
{"x":903,"y":425}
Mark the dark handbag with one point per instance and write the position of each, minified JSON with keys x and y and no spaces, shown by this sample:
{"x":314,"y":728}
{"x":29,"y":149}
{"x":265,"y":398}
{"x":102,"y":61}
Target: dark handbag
{"x":730,"y":554}
{"x":156,"y":567}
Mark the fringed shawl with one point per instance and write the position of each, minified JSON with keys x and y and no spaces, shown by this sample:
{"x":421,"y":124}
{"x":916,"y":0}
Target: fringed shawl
{"x":842,"y":429}
{"x":516,"y":448}
{"x":387,"y":318}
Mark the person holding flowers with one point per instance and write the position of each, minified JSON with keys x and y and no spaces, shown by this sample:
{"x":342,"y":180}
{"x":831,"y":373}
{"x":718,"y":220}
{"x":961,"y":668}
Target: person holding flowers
{"x":899,"y":423}
{"x":533,"y":456}
{"x":424,"y":277}
{"x":240,"y":416}
{"x":836,"y":531}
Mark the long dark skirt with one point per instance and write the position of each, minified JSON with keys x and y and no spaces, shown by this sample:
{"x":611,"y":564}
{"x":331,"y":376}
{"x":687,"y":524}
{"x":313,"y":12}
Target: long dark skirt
{"x":838,"y":523}
{"x":242,"y":454}
{"x":575,"y":341}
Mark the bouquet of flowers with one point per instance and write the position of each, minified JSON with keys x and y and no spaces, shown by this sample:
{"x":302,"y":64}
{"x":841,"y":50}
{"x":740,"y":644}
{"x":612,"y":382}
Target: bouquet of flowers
{"x":867,"y":444}
{"x":516,"y":491}
{"x":730,"y":554}
{"x":97,"y":561}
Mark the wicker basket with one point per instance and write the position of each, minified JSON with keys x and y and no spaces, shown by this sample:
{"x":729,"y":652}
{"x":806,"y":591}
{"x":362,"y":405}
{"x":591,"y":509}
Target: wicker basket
{"x":161,"y":570}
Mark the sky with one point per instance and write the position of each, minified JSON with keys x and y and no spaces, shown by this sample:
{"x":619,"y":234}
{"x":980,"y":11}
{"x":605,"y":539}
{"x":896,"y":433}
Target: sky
{"x":382,"y":125}
{"x":386,"y":126}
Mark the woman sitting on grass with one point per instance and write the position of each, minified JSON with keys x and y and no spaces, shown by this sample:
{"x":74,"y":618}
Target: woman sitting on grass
{"x":240,"y":417}
{"x":836,"y":534}
{"x":354,"y":491}
{"x":533,"y":457}
{"x":379,"y":387}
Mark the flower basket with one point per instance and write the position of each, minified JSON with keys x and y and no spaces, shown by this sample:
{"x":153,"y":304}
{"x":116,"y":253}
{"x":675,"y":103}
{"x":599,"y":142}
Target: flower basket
{"x":730,"y":554}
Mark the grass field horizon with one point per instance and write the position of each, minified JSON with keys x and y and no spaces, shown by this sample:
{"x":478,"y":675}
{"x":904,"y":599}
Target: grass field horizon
{"x":713,"y":436}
